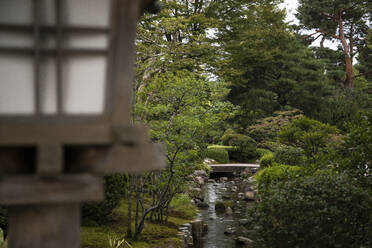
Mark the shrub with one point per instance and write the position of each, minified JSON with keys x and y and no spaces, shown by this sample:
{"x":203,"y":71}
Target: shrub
{"x":267,"y":160}
{"x":268,"y":128}
{"x":270,"y":145}
{"x":276,"y":173}
{"x":244,"y":146}
{"x":289,"y":155}
{"x":313,"y":211}
{"x":100,"y":213}
{"x":357,"y":149}
{"x":180,"y":200}
{"x":261,"y":151}
{"x":310,"y":135}
{"x":219,"y":154}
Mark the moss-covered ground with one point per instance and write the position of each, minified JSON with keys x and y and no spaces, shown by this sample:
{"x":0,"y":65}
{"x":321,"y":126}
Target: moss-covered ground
{"x":153,"y":235}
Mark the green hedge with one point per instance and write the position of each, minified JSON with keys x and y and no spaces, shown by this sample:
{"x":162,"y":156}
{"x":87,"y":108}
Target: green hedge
{"x":289,"y":155}
{"x":244,"y":146}
{"x":267,"y":160}
{"x":312,"y":211}
{"x":261,"y":151}
{"x":219,"y":154}
{"x":100,"y":213}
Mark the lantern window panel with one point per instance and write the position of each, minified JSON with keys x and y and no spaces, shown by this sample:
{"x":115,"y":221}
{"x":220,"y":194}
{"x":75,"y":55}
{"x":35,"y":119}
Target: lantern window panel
{"x":47,"y":17}
{"x":83,"y":84}
{"x":16,"y":12}
{"x":17,"y":91}
{"x":87,"y":13}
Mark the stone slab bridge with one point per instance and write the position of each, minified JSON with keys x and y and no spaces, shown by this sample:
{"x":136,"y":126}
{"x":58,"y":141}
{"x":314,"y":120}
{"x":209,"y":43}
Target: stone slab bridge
{"x":231,"y":168}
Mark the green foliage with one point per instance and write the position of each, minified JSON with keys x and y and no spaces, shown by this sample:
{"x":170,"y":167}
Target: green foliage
{"x":244,"y":146}
{"x":116,"y":242}
{"x":289,"y":155}
{"x":183,"y":110}
{"x":345,"y":104}
{"x":4,"y":219}
{"x":260,"y":151}
{"x":334,"y":64}
{"x":357,"y":149}
{"x":325,"y":210}
{"x":219,"y":154}
{"x":182,"y":206}
{"x":310,"y":135}
{"x":100,"y":213}
{"x":276,"y":173}
{"x":267,"y":160}
{"x":269,"y":69}
{"x":365,"y":57}
{"x":154,"y":235}
{"x":180,"y":200}
{"x":3,"y":242}
{"x":268,"y":128}
{"x":343,"y":21}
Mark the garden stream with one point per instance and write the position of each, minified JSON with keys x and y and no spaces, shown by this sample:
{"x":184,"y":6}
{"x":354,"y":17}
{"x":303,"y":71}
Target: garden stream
{"x":223,"y":226}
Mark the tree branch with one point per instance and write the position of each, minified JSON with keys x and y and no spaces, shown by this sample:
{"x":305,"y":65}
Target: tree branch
{"x":329,"y":16}
{"x":322,"y":33}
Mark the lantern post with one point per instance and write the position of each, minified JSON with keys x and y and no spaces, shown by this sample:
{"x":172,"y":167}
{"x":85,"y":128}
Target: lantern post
{"x":66,"y":70}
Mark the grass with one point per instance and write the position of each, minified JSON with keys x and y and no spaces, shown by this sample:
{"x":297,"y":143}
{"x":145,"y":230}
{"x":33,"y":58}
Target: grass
{"x":153,"y":235}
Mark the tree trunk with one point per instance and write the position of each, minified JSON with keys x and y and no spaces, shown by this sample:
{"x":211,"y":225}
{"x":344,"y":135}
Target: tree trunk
{"x":349,"y":83}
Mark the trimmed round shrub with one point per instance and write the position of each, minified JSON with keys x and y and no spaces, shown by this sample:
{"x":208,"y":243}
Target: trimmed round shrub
{"x":100,"y":213}
{"x":244,"y":146}
{"x":260,"y":151}
{"x":276,"y":173}
{"x":219,"y":154}
{"x":267,"y":160}
{"x":289,"y":155}
{"x":313,"y":211}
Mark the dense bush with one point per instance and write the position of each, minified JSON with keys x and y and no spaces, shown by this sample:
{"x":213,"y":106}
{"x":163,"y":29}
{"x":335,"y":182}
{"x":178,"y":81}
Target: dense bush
{"x":289,"y":155}
{"x":345,"y":106}
{"x":270,"y":145}
{"x":268,"y":128}
{"x":267,"y":160}
{"x":310,"y":135}
{"x":244,"y":146}
{"x":219,"y":154}
{"x":313,"y":211}
{"x":357,"y":149}
{"x":100,"y":213}
{"x":276,"y":173}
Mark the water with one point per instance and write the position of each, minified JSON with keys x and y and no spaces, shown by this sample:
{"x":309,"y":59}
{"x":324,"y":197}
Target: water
{"x":218,"y":223}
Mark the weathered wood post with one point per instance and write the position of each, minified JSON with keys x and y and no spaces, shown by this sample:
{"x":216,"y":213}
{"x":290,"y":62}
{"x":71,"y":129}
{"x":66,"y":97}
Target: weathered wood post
{"x":65,"y":93}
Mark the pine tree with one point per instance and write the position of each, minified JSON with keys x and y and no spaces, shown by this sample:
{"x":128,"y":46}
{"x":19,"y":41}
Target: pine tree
{"x":339,"y":20}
